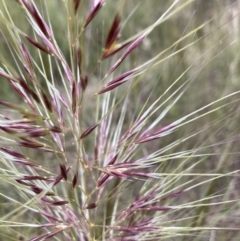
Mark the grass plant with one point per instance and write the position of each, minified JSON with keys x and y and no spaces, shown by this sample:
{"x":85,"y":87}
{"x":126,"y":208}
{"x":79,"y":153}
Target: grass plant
{"x":114,"y":127}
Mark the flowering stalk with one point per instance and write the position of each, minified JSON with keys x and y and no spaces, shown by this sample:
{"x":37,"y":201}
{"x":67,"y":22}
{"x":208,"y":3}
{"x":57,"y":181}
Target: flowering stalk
{"x":92,"y":146}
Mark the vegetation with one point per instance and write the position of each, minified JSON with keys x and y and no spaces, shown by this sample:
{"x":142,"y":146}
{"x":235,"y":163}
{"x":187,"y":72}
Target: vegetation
{"x":119,"y":120}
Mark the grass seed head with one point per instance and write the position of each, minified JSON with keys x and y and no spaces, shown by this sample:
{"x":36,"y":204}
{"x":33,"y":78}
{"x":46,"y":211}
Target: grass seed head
{"x":131,"y":176}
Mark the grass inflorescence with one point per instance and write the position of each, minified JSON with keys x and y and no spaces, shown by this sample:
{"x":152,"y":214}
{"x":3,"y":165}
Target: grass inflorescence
{"x":116,"y":129}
